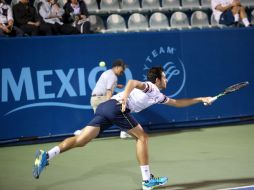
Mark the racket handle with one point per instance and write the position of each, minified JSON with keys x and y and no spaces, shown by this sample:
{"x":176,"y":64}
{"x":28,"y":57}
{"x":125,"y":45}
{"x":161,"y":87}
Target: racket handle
{"x":212,"y":100}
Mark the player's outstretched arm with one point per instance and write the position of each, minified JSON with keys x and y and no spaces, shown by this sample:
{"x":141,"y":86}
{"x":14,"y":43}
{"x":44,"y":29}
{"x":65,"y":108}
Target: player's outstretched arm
{"x":187,"y":101}
{"x":129,"y":87}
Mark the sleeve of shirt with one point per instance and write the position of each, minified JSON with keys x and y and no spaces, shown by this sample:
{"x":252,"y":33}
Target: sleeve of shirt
{"x":163,"y":99}
{"x":44,"y":13}
{"x":160,"y":97}
{"x":148,"y":87}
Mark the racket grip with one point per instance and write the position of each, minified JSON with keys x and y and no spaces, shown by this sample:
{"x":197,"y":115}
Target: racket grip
{"x":211,"y":101}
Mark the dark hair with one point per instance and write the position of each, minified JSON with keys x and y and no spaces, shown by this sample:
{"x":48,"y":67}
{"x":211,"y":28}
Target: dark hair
{"x":154,"y":73}
{"x":119,"y":63}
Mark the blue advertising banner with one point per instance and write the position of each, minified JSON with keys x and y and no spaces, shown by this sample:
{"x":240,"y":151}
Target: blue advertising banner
{"x":46,"y":82}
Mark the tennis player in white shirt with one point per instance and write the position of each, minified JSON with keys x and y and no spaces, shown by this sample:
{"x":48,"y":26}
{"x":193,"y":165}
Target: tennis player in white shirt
{"x":136,"y":97}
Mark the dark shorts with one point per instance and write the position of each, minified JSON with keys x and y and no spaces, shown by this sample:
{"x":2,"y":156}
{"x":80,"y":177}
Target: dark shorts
{"x":227,"y":18}
{"x":109,"y":113}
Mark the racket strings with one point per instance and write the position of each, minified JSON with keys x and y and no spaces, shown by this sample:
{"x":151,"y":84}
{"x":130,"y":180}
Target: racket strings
{"x":236,"y":86}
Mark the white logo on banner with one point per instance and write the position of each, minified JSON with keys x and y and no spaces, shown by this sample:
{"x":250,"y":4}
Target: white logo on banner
{"x":45,"y":88}
{"x":172,"y":65}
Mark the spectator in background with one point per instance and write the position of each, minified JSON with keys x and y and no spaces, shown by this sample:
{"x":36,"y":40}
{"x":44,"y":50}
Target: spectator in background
{"x":6,"y":21}
{"x":51,"y":14}
{"x":229,"y":12}
{"x":27,"y":19}
{"x":76,"y":13}
{"x":105,"y":87}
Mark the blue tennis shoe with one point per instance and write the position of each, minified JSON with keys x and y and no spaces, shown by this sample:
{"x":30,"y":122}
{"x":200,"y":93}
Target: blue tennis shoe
{"x":154,"y":182}
{"x":40,"y":163}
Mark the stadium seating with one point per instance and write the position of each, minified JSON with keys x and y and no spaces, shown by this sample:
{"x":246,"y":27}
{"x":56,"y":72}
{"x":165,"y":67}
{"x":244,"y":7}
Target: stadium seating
{"x":170,"y":5}
{"x":150,"y":5}
{"x":150,"y":15}
{"x":137,"y":22}
{"x":214,"y":23}
{"x":130,"y":6}
{"x":199,"y":19}
{"x":159,"y":21}
{"x":248,"y":3}
{"x":206,"y":4}
{"x":14,"y":2}
{"x":62,"y":2}
{"x":92,"y":6}
{"x":109,"y":6}
{"x":97,"y":24}
{"x":116,"y":23}
{"x":191,"y":4}
{"x":36,"y":3}
{"x":179,"y":20}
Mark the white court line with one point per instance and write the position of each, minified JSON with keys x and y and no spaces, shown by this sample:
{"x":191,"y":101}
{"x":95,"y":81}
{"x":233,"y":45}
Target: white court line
{"x":243,"y":187}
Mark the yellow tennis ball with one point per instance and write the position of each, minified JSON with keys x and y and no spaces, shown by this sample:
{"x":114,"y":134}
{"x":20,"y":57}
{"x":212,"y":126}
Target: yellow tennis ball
{"x":102,"y":64}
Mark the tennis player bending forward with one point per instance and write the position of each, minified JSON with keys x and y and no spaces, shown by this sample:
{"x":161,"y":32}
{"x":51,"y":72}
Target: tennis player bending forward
{"x":136,"y":97}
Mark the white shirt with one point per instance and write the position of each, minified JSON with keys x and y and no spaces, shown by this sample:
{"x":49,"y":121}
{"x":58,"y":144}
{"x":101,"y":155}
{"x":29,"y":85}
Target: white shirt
{"x":50,"y":13}
{"x":141,"y":99}
{"x":107,"y":81}
{"x":76,"y":9}
{"x":5,"y":18}
{"x":223,"y":3}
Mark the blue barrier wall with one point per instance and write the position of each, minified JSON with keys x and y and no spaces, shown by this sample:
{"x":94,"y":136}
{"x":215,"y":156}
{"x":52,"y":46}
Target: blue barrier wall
{"x":46,"y":82}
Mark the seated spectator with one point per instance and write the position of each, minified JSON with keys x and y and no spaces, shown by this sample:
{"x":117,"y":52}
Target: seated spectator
{"x":51,"y":13}
{"x":27,"y":19}
{"x":6,"y":21}
{"x":77,"y":14}
{"x":229,"y":12}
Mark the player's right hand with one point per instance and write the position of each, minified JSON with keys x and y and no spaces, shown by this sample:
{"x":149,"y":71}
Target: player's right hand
{"x":207,"y":101}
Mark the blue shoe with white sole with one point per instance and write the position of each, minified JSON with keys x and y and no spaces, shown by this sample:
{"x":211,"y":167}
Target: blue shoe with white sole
{"x":154,"y":182}
{"x":40,"y":163}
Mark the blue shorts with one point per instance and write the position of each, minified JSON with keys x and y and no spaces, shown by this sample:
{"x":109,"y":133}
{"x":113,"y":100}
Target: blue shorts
{"x":109,"y":113}
{"x":227,"y":18}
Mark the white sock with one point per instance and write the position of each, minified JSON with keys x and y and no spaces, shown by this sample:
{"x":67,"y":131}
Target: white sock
{"x":145,"y":171}
{"x":236,"y":17}
{"x":53,"y":152}
{"x":246,"y":22}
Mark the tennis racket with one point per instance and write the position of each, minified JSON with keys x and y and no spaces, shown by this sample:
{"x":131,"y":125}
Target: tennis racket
{"x":229,"y":90}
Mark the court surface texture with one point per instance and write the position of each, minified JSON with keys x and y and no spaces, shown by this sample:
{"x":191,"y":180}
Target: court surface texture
{"x":202,"y":159}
